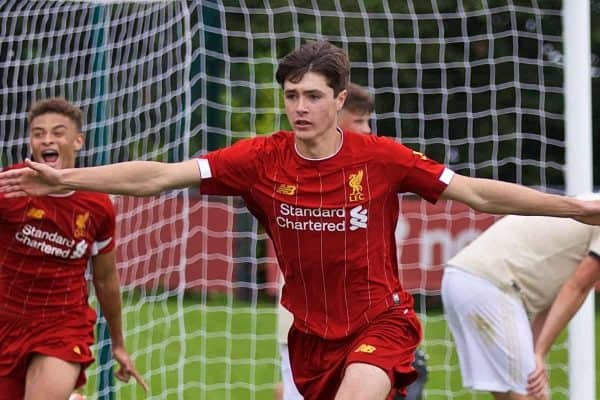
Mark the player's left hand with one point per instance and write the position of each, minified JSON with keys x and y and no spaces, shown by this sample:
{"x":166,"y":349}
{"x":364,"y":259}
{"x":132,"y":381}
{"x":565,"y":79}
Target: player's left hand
{"x":126,"y":368}
{"x":537,"y":382}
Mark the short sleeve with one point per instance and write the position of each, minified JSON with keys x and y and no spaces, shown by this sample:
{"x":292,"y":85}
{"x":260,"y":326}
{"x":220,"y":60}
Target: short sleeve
{"x":105,"y":237}
{"x":231,"y":170}
{"x":416,"y":173}
{"x":595,"y":241}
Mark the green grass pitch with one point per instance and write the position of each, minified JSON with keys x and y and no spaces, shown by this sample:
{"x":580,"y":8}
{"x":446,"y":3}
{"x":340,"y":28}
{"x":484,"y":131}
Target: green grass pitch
{"x":199,"y":368}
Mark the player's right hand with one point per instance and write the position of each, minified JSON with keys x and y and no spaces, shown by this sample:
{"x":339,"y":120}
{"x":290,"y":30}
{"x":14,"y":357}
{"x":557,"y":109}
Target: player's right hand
{"x":35,"y":180}
{"x":537,"y":382}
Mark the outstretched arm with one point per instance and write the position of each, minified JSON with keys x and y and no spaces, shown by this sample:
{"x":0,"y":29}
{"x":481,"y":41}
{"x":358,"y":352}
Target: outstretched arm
{"x":497,"y":197}
{"x":106,"y":283}
{"x":137,"y":178}
{"x":567,"y":302}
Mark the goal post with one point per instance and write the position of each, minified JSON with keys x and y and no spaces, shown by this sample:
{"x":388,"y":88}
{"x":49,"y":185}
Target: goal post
{"x":477,"y":85}
{"x":104,"y":347}
{"x":579,"y":179}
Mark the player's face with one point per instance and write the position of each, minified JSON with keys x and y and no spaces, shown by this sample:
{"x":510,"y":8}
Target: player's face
{"x":311,"y":107}
{"x":55,"y":140}
{"x":354,"y":122}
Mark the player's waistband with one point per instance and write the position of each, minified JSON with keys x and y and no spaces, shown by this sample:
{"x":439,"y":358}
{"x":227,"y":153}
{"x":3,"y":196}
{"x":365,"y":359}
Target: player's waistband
{"x":395,"y":299}
{"x":509,"y":287}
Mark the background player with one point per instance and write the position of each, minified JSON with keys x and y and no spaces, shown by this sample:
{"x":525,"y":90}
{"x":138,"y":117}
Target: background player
{"x":46,"y":324}
{"x":356,"y":112}
{"x":327,"y":199}
{"x":511,"y":271}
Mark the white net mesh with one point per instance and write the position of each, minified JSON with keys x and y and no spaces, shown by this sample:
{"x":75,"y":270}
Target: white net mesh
{"x":471,"y":84}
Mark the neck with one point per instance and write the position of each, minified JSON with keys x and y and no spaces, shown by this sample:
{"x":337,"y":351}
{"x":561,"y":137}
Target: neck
{"x":320,"y":147}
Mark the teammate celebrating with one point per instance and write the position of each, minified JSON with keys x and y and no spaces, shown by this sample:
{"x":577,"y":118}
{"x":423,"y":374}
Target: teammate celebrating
{"x":328,"y":200}
{"x":46,"y":324}
{"x":513,"y":270}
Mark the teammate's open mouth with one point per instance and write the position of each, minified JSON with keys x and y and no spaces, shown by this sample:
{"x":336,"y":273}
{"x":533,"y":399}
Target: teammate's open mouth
{"x":50,"y":156}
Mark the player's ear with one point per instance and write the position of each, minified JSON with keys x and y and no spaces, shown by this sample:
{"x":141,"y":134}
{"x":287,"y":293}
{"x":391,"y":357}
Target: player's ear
{"x":341,"y":99}
{"x":79,"y":141}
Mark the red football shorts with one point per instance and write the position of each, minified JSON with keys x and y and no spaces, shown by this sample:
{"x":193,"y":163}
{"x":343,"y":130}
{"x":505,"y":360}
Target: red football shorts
{"x":67,"y":338}
{"x":388,"y":342}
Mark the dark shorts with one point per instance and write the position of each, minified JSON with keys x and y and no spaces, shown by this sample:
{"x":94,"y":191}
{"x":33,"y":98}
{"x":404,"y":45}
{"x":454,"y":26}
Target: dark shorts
{"x":388,"y":342}
{"x":66,"y":338}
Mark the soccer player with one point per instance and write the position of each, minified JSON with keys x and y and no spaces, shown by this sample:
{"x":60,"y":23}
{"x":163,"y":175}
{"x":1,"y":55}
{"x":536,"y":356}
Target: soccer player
{"x":46,"y":324}
{"x":328,"y":200}
{"x":353,"y":117}
{"x":510,"y":272}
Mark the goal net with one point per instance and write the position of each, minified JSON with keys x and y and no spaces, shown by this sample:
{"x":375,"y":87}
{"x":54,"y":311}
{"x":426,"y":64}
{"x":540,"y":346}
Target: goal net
{"x":476,"y":85}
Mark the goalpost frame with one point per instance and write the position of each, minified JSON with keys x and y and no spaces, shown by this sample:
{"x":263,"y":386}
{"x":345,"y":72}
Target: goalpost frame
{"x":578,"y":137}
{"x":106,"y":373}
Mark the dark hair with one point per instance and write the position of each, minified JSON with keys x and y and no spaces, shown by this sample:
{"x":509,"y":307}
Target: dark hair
{"x":56,"y":105}
{"x":320,"y":57}
{"x":359,"y":100}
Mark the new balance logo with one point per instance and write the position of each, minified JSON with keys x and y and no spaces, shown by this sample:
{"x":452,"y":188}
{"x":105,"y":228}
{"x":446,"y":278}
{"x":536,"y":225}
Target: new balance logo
{"x":35,"y":213}
{"x":358,"y":218}
{"x":365,"y":348}
{"x":288,"y":190}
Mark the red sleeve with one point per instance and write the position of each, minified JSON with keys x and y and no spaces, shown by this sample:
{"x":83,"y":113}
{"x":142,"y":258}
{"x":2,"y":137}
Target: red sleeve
{"x":415,"y":172}
{"x":14,"y":166}
{"x":233,"y":168}
{"x":105,"y":238}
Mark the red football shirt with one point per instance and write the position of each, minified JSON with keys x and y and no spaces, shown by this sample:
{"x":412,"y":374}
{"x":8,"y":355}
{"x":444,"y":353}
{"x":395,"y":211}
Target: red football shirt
{"x":332,"y":221}
{"x":45,"y":244}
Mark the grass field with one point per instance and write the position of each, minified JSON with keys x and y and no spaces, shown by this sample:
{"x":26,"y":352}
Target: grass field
{"x":230,"y":352}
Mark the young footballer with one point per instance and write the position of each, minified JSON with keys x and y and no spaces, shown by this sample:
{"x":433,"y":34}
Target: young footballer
{"x":46,"y":324}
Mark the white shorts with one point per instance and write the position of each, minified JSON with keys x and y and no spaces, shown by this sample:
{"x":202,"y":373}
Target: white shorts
{"x":289,"y":387}
{"x":492,"y":333}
